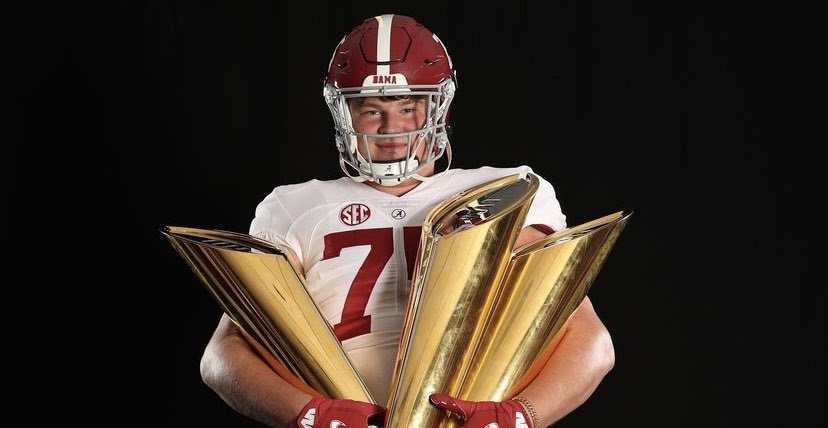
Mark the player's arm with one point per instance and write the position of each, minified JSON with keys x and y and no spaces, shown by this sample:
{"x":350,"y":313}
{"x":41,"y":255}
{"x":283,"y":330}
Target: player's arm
{"x":232,"y":368}
{"x":582,"y":358}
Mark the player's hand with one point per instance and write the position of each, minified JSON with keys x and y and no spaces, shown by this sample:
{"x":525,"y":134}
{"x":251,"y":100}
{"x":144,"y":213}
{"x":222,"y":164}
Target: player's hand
{"x":336,"y":413}
{"x":485,"y":414}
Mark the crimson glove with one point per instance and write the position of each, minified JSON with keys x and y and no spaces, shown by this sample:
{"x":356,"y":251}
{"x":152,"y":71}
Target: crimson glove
{"x":338,"y":413}
{"x":485,"y":414}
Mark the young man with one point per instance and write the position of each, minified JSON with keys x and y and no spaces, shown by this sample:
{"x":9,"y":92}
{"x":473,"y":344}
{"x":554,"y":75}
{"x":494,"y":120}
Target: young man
{"x":389,"y":88}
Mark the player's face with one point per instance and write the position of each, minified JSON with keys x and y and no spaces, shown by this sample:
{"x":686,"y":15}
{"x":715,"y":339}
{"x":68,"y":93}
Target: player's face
{"x":389,"y":115}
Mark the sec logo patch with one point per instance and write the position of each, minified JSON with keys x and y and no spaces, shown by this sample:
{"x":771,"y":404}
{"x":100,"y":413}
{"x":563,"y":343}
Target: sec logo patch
{"x":355,"y":214}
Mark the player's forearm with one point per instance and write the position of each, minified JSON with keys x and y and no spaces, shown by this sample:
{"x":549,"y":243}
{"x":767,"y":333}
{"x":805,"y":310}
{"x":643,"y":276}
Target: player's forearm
{"x":581,"y":360}
{"x":241,"y":378}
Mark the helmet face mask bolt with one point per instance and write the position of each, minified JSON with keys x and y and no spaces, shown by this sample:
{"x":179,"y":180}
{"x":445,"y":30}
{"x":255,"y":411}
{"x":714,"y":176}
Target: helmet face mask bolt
{"x":390,"y":56}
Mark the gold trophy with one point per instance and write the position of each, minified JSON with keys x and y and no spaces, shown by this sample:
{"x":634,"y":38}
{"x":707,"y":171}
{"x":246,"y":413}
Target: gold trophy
{"x":483,"y":317}
{"x":255,"y":283}
{"x":465,"y":248}
{"x":544,"y":284}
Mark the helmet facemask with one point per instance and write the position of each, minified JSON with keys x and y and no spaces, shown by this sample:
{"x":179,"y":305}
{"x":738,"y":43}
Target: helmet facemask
{"x":433,"y":135}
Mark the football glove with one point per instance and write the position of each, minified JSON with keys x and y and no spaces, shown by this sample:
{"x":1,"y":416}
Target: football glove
{"x":338,"y":413}
{"x":485,"y":414}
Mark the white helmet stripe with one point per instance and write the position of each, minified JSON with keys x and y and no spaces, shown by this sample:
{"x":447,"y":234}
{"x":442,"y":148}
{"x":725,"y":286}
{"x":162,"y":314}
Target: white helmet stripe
{"x":437,"y":39}
{"x":384,"y":43}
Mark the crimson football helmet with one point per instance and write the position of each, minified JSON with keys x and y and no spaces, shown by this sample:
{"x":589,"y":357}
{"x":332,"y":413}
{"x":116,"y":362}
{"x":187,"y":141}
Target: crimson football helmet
{"x":390,"y":55}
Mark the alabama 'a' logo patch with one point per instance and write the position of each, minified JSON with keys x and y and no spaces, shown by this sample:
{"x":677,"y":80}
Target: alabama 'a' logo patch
{"x":355,"y":214}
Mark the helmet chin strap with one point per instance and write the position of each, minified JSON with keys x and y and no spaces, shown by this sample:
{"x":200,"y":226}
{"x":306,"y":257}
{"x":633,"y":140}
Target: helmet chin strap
{"x":391,"y":173}
{"x":382,"y":170}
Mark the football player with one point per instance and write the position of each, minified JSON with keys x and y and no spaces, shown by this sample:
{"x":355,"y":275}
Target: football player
{"x":389,"y":88}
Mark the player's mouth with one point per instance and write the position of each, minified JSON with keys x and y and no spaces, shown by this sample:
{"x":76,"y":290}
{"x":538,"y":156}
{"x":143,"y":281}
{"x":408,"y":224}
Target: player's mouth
{"x":392,"y":149}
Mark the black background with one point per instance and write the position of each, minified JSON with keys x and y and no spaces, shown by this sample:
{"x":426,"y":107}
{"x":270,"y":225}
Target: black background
{"x":708,"y":122}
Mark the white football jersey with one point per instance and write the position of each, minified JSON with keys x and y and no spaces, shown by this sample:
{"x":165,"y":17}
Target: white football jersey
{"x":358,"y":247}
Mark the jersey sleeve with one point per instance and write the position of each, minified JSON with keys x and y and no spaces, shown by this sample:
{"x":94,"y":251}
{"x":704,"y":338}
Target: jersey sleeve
{"x":545,"y":211}
{"x":272,"y":222}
